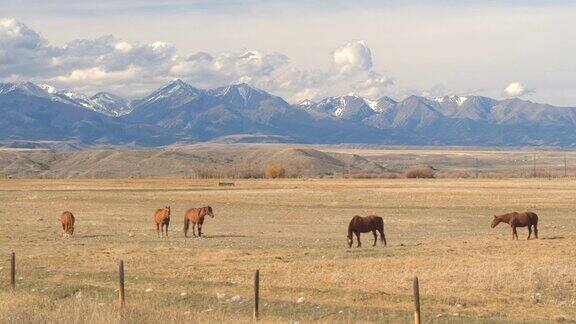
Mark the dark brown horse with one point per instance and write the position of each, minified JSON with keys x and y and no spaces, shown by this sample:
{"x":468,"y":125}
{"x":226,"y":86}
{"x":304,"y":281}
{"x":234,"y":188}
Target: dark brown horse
{"x":196,"y":216}
{"x":67,"y":219}
{"x":516,"y":219}
{"x":162,"y":218}
{"x":366,"y":224}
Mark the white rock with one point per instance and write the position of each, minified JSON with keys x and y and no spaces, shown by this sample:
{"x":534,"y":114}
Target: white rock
{"x":301,"y":300}
{"x":220,"y":295}
{"x":235,"y":298}
{"x":149,"y":290}
{"x":183,"y":294}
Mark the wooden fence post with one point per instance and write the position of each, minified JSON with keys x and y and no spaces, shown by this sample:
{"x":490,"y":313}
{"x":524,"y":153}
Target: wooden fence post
{"x":416,"y":301}
{"x":13,"y":271}
{"x":256,"y":294}
{"x":121,"y":288}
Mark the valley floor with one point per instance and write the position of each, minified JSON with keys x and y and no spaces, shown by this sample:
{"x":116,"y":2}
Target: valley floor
{"x":294,"y":232}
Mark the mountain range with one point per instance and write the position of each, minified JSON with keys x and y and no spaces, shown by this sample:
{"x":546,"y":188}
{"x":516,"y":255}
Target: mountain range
{"x":180,"y":113}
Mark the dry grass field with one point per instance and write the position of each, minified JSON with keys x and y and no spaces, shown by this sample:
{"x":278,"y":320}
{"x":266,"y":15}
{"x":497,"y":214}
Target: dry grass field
{"x":294,"y":232}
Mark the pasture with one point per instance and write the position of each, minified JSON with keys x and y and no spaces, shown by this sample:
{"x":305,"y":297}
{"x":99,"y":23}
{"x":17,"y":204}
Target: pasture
{"x":294,"y":231}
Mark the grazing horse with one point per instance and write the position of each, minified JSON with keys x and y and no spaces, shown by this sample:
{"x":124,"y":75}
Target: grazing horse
{"x":196,"y":216}
{"x":516,"y":219}
{"x":67,"y":219}
{"x":366,"y":224}
{"x":162,"y":218}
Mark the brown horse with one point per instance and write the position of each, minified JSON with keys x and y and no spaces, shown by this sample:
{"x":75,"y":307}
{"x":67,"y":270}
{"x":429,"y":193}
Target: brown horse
{"x":162,"y":218}
{"x":516,"y":219}
{"x":67,"y":219}
{"x":196,"y":216}
{"x":366,"y":224}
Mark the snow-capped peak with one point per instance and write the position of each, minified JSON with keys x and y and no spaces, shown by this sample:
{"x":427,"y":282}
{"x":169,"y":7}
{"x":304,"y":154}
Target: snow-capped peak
{"x":26,"y":88}
{"x":459,"y":100}
{"x":48,"y":88}
{"x":175,"y":93}
{"x":305,"y":103}
{"x":372,"y":104}
{"x":66,"y":96}
{"x":174,"y":88}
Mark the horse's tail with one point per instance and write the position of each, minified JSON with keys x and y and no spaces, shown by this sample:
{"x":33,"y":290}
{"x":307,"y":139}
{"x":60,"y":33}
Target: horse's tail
{"x":186,"y":225}
{"x":382,"y":234}
{"x":350,"y":228}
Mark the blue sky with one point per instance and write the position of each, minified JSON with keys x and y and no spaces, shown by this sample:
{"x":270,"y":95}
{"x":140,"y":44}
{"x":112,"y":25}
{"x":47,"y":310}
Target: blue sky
{"x":298,"y":49}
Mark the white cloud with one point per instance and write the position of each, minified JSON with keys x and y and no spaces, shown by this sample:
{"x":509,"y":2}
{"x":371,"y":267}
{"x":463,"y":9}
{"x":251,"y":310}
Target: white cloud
{"x":109,"y":63}
{"x":352,"y":57}
{"x":206,"y":70}
{"x":515,"y":89}
{"x":123,"y":47}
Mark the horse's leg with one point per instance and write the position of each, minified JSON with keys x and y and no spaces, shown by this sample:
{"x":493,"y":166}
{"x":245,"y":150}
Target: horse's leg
{"x":167,"y":229}
{"x":514,"y":233}
{"x":194,"y":229}
{"x":536,"y":230}
{"x":529,"y":231}
{"x":199,"y":230}
{"x":157,"y":229}
{"x":63,"y":230}
{"x":358,"y":238}
{"x":382,"y":236}
{"x":375,"y":237}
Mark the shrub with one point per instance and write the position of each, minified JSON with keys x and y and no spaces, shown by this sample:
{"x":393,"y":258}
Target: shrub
{"x":419,"y":173}
{"x":273,"y":171}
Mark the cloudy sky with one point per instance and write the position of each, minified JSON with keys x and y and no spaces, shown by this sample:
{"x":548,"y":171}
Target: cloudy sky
{"x":296,"y":49}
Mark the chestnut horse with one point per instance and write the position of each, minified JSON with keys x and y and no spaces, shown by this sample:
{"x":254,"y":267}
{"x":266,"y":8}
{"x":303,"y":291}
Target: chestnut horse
{"x":162,"y":218}
{"x":516,"y":219}
{"x":196,"y":216}
{"x":366,"y":224}
{"x":67,"y":219}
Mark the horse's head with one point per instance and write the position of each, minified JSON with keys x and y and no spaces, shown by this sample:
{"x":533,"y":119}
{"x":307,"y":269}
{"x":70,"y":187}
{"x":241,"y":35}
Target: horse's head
{"x":495,"y":221}
{"x":168,"y":209}
{"x":209,"y":211}
{"x":349,"y":239}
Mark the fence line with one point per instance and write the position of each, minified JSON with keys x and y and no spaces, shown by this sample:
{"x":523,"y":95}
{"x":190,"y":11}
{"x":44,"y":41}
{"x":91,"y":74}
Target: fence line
{"x":121,"y":293}
{"x":256,"y":309}
{"x":13,"y":271}
{"x":416,"y":286}
{"x":256,"y":295}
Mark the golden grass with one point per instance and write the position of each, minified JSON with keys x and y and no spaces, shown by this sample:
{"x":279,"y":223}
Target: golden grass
{"x":294,"y":231}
